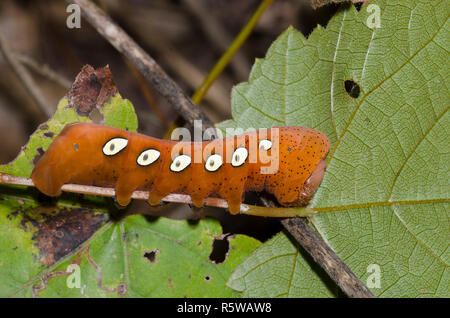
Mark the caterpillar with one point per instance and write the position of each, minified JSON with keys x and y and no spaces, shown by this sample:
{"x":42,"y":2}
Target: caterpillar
{"x":287,"y":162}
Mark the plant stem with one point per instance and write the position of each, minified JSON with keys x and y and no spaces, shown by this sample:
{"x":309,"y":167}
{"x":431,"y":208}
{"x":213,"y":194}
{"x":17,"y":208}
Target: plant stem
{"x":226,"y":57}
{"x":171,"y":198}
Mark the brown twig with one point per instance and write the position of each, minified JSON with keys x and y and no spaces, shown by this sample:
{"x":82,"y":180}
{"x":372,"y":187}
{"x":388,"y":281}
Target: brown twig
{"x":143,"y":86}
{"x":42,"y":108}
{"x":146,"y":65}
{"x":218,"y":94}
{"x":146,"y":92}
{"x":171,"y":198}
{"x":326,"y":258}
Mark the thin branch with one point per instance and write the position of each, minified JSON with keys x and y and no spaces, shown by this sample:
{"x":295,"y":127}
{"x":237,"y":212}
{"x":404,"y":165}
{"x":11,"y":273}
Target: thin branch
{"x":42,"y":108}
{"x":44,"y":70}
{"x":143,"y":86}
{"x":184,"y":69}
{"x":146,"y":92}
{"x":171,"y":198}
{"x":146,"y":65}
{"x":326,"y":258}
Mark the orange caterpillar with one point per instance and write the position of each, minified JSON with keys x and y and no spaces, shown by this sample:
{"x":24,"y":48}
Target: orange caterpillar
{"x":284,"y":161}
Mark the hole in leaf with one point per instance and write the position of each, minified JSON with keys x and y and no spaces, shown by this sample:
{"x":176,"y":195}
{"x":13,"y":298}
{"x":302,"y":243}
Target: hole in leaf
{"x":151,"y":256}
{"x":220,"y":248}
{"x":43,"y":126}
{"x":352,"y":88}
{"x":207,"y":278}
{"x":39,"y":153}
{"x":193,"y":221}
{"x":358,"y":5}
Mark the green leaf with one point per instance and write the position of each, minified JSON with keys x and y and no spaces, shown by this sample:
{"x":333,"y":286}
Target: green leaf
{"x":267,"y":272}
{"x":162,"y":258}
{"x":384,"y":200}
{"x":72,"y":248}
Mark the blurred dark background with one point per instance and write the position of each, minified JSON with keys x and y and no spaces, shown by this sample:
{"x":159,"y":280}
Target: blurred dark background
{"x":176,"y":33}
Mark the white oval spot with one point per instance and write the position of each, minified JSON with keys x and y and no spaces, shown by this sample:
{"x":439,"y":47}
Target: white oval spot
{"x":114,"y":146}
{"x":213,"y":162}
{"x":239,"y":157}
{"x":148,"y":157}
{"x":265,"y":144}
{"x":180,"y":163}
